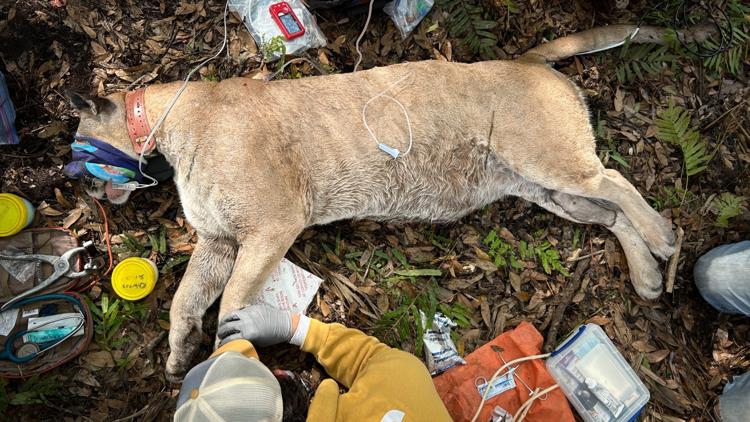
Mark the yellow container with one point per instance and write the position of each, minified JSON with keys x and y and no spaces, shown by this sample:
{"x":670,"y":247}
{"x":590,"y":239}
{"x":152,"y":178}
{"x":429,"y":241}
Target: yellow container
{"x":134,"y":278}
{"x":15,"y":214}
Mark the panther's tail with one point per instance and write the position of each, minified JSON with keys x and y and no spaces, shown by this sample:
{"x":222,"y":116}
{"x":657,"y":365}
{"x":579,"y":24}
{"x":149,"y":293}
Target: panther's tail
{"x":606,"y":37}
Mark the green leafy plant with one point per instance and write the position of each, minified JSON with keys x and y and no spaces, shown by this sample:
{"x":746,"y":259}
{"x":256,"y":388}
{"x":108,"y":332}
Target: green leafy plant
{"x":610,"y":150}
{"x":727,"y":206}
{"x":467,"y":21}
{"x":501,"y":252}
{"x":670,"y":197}
{"x":504,"y":255}
{"x":405,"y":322}
{"x":155,"y":243}
{"x":549,"y":257}
{"x":109,"y":316}
{"x":274,"y":49}
{"x":673,"y":126}
{"x":34,"y":390}
{"x":457,"y":312}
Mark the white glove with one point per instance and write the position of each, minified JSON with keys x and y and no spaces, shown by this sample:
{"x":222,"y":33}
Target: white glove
{"x":262,"y":325}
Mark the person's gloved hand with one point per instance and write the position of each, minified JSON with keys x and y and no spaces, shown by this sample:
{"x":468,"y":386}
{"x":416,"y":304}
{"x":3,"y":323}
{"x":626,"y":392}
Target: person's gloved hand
{"x":260,"y":324}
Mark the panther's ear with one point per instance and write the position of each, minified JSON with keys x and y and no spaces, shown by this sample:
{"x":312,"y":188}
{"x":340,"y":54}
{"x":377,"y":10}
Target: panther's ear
{"x":93,"y":105}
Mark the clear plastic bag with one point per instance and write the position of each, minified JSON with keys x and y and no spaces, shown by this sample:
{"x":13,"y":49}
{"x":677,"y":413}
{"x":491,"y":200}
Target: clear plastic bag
{"x":407,"y":14}
{"x":23,"y":271}
{"x":257,"y":19}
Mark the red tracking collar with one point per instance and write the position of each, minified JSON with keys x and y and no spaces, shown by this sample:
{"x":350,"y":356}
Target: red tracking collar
{"x":138,"y":127}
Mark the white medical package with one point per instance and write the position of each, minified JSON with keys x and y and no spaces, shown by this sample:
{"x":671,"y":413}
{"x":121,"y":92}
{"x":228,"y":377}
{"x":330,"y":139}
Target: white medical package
{"x":595,"y":377}
{"x":288,"y":288}
{"x":440,"y":352}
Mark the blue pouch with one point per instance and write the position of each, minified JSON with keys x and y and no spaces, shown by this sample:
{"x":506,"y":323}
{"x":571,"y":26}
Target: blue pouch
{"x":8,"y":135}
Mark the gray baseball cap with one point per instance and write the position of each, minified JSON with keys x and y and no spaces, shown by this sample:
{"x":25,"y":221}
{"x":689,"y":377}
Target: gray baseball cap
{"x":227,"y":388}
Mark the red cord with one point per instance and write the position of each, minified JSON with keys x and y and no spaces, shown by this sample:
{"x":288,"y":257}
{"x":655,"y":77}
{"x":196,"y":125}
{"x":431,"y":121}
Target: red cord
{"x":95,"y":280}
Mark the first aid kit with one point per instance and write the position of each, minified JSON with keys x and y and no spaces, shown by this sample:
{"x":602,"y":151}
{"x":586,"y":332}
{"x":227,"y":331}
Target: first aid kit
{"x":43,"y":324}
{"x":595,"y":377}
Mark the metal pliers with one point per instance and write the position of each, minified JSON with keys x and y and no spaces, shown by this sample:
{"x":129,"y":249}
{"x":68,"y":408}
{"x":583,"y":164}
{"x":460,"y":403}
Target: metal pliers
{"x":62,"y":265}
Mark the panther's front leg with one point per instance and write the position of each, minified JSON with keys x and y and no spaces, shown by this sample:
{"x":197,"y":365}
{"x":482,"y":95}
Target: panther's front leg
{"x":207,"y":273}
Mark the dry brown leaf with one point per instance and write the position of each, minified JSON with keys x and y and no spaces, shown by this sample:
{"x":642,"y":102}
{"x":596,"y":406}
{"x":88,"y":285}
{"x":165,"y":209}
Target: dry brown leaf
{"x":47,"y":210}
{"x":658,"y":356}
{"x":515,"y":281}
{"x":643,"y":346}
{"x":599,"y":320}
{"x":99,"y":359}
{"x":72,"y":217}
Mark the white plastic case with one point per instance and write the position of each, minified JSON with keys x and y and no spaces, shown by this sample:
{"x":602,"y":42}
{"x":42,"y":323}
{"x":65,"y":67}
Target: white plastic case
{"x":595,"y":377}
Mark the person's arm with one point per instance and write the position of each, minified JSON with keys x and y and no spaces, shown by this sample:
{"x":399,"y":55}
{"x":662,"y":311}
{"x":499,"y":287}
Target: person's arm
{"x":342,"y":351}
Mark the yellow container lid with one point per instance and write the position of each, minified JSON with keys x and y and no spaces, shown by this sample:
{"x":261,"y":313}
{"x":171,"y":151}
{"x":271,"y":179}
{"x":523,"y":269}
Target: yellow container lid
{"x":134,"y":278}
{"x":14,"y":214}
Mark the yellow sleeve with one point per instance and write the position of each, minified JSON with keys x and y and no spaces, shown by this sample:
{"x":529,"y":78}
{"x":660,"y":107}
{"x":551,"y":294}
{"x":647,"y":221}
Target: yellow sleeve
{"x":242,"y":346}
{"x":325,"y":404}
{"x":342,"y":351}
{"x":380,"y":379}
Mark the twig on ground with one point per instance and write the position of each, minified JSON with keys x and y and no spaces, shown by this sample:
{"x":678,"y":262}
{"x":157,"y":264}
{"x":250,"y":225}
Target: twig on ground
{"x":149,"y":349}
{"x":567,"y":296}
{"x":155,"y":404}
{"x":672,"y":272}
{"x":580,"y":258}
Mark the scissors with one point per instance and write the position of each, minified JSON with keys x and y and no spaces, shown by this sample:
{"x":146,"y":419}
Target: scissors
{"x":62,"y":265}
{"x":8,"y":353}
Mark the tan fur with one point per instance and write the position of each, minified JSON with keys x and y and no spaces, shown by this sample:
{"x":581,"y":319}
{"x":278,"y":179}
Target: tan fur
{"x":257,"y":162}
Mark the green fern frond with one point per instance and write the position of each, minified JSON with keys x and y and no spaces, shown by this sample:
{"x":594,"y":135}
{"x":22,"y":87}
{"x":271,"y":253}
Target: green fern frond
{"x":730,"y":60}
{"x":636,"y":62}
{"x":673,"y":126}
{"x":466,"y":21}
{"x":727,"y":206}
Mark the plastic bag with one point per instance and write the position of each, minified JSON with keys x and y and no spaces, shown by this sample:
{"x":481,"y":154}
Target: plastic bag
{"x":460,"y":387}
{"x":440,"y":352}
{"x":407,"y":14}
{"x":257,"y":19}
{"x":23,"y":271}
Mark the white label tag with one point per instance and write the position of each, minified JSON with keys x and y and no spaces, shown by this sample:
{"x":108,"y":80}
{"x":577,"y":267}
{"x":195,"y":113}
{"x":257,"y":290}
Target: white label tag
{"x":500,"y":385}
{"x":8,"y":321}
{"x":30,"y":313}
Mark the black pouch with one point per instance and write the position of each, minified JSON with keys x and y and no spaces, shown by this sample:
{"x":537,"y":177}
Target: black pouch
{"x":17,"y":277}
